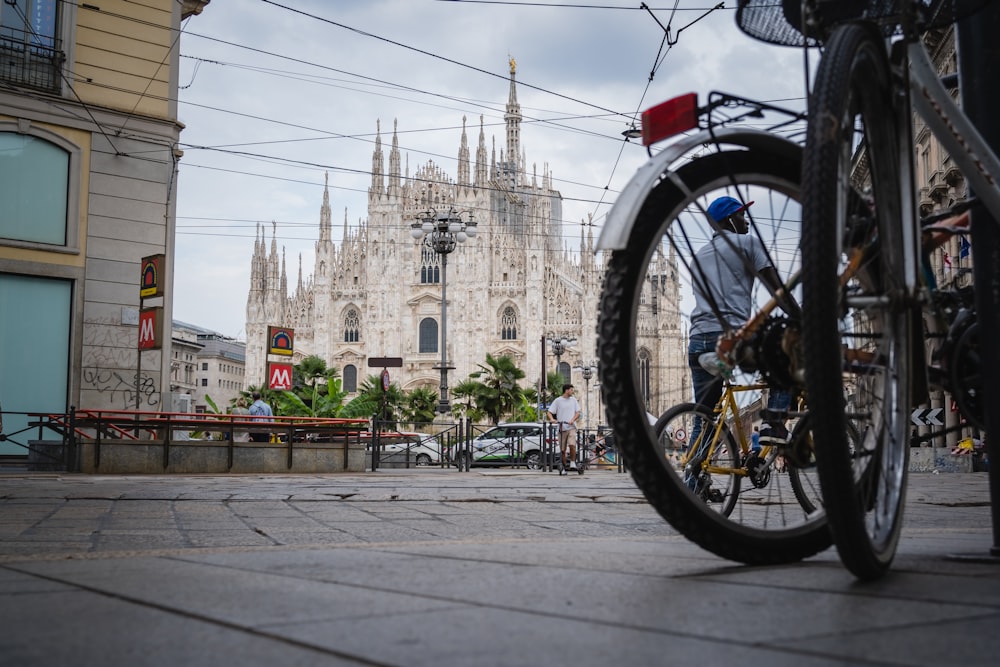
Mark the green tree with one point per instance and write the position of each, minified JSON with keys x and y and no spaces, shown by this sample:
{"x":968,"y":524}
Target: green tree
{"x":421,"y":404}
{"x":502,"y":393}
{"x":368,"y":402}
{"x":553,"y":386}
{"x":326,"y":403}
{"x":466,"y":400}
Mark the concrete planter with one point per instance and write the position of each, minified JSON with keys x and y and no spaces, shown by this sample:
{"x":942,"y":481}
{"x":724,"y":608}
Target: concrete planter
{"x":212,"y":456}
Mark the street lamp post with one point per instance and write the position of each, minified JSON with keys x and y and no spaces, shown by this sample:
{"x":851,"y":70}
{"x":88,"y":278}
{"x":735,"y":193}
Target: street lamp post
{"x":587,"y":372}
{"x":442,"y":232}
{"x":559,"y":344}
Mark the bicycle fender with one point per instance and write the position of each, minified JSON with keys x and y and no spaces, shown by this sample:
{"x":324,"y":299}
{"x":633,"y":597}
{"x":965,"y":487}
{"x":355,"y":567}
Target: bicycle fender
{"x":621,"y":218}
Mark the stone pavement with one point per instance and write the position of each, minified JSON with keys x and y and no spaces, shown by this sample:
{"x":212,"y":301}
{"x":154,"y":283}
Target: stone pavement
{"x":437,"y":567}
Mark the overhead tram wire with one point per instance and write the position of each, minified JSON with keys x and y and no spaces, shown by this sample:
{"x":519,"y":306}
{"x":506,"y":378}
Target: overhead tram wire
{"x":670,"y":43}
{"x":608,"y":111}
{"x":554,"y":122}
{"x":438,"y":57}
{"x":527,"y":85}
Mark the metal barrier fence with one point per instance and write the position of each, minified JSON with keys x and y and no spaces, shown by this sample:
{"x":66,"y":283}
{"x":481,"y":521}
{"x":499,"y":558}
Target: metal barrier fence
{"x":55,"y":441}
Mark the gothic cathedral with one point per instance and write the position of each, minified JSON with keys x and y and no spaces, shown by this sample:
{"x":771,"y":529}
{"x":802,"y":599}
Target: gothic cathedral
{"x":378,"y":292}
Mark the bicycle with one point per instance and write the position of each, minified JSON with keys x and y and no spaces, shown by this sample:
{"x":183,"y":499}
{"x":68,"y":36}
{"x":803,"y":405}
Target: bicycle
{"x":653,"y":232}
{"x":712,"y":451}
{"x":863,"y":286}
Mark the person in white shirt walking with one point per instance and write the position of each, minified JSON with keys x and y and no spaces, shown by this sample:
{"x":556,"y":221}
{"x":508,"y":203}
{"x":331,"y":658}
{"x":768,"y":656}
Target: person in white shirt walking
{"x":565,"y":411}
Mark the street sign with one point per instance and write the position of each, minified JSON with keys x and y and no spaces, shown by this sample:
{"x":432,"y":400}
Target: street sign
{"x":279,"y":376}
{"x":281,"y":340}
{"x":385,"y":362}
{"x":385,"y":380}
{"x":151,"y":278}
{"x":928,"y":417}
{"x":151,"y":328}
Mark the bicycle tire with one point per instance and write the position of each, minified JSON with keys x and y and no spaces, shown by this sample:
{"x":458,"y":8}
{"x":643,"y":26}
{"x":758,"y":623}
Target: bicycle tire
{"x":760,"y":174}
{"x":864,"y":328}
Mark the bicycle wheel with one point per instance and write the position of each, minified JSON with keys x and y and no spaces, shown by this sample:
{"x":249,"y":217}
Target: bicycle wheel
{"x":706,"y":457}
{"x":644,"y":359}
{"x":861,"y":322}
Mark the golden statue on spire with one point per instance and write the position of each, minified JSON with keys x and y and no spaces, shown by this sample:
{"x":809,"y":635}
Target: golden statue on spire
{"x":513,"y":66}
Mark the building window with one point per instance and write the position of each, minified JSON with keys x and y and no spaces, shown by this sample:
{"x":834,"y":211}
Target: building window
{"x":508,"y":324}
{"x":352,"y":327}
{"x":204,"y":365}
{"x":33,"y":189}
{"x":29,"y":49}
{"x":350,"y":378}
{"x":430,"y":270}
{"x":35,"y":356}
{"x":204,"y":382}
{"x":428,"y":336}
{"x":565,"y":371}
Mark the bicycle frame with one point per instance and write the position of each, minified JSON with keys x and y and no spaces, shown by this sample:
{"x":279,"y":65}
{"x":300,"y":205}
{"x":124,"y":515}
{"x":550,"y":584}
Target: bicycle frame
{"x":729,"y":417}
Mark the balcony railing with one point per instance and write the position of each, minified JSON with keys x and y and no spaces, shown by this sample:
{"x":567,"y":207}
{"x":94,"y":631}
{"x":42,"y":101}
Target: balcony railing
{"x":30,"y":60}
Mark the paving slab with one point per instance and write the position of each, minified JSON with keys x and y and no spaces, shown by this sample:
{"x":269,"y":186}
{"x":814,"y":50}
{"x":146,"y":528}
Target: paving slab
{"x":445,"y":568}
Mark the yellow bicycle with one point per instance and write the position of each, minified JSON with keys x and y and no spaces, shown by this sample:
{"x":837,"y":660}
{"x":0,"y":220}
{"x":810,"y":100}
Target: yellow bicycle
{"x":714,"y":454}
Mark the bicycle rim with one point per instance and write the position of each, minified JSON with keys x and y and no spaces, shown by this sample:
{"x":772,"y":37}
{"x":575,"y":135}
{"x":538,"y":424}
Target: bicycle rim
{"x":644,"y":359}
{"x":858,"y":327}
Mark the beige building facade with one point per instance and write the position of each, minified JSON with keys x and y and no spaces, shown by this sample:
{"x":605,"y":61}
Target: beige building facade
{"x":88,"y":159}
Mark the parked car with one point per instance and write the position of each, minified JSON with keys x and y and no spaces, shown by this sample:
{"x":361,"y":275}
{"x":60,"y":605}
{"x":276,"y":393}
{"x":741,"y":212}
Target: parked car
{"x":518,"y":443}
{"x":400,"y":448}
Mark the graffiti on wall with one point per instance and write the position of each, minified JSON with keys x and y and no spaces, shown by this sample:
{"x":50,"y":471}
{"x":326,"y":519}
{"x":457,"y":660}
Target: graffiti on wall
{"x":118,"y":388}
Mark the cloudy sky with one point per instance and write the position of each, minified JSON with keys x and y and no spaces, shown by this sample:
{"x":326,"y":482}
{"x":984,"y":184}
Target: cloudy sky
{"x":276,"y":94}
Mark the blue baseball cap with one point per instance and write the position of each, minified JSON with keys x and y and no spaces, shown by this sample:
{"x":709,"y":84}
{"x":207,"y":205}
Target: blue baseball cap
{"x":723,"y":207}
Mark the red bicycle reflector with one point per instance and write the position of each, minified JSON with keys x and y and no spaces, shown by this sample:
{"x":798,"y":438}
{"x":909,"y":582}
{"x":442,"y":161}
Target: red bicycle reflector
{"x":669,"y":118}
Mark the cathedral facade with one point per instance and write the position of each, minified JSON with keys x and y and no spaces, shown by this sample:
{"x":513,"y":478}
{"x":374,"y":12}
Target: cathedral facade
{"x":377,"y":293}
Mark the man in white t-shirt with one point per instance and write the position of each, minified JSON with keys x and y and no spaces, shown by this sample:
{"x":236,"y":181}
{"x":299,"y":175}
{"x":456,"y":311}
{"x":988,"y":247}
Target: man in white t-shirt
{"x":565,"y":411}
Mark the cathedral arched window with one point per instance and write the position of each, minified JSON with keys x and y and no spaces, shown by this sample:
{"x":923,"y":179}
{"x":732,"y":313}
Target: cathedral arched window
{"x":430,"y":270}
{"x":565,"y":371}
{"x":352,"y":327}
{"x":350,"y":378}
{"x":644,"y":362}
{"x":428,"y":335}
{"x":508,"y":324}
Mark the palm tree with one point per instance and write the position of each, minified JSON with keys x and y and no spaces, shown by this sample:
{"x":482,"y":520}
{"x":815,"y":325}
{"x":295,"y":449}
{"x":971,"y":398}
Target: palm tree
{"x":368,"y":402}
{"x":306,"y":376}
{"x":469,"y":392}
{"x":420,"y":405}
{"x":554,"y":381}
{"x":499,"y":377}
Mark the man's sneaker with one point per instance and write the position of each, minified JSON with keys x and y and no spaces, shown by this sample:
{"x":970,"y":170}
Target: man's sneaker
{"x":572,"y":465}
{"x":773,"y":434}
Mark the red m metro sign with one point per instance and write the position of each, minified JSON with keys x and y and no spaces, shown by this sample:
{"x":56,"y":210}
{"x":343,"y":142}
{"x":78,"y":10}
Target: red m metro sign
{"x":279,"y":376}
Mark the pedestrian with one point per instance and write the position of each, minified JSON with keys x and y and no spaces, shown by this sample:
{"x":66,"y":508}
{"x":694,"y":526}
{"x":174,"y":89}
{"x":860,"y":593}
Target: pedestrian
{"x":755,"y":440}
{"x":565,"y":411}
{"x":240,"y":412}
{"x":259,"y":410}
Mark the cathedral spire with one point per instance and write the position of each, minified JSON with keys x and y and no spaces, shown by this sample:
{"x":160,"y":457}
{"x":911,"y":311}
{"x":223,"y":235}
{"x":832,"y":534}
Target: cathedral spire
{"x":378,"y":173}
{"x":481,"y":172}
{"x":513,"y":120}
{"x":463,"y":158}
{"x":299,"y":289}
{"x":324,"y":211}
{"x":394,"y":162}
